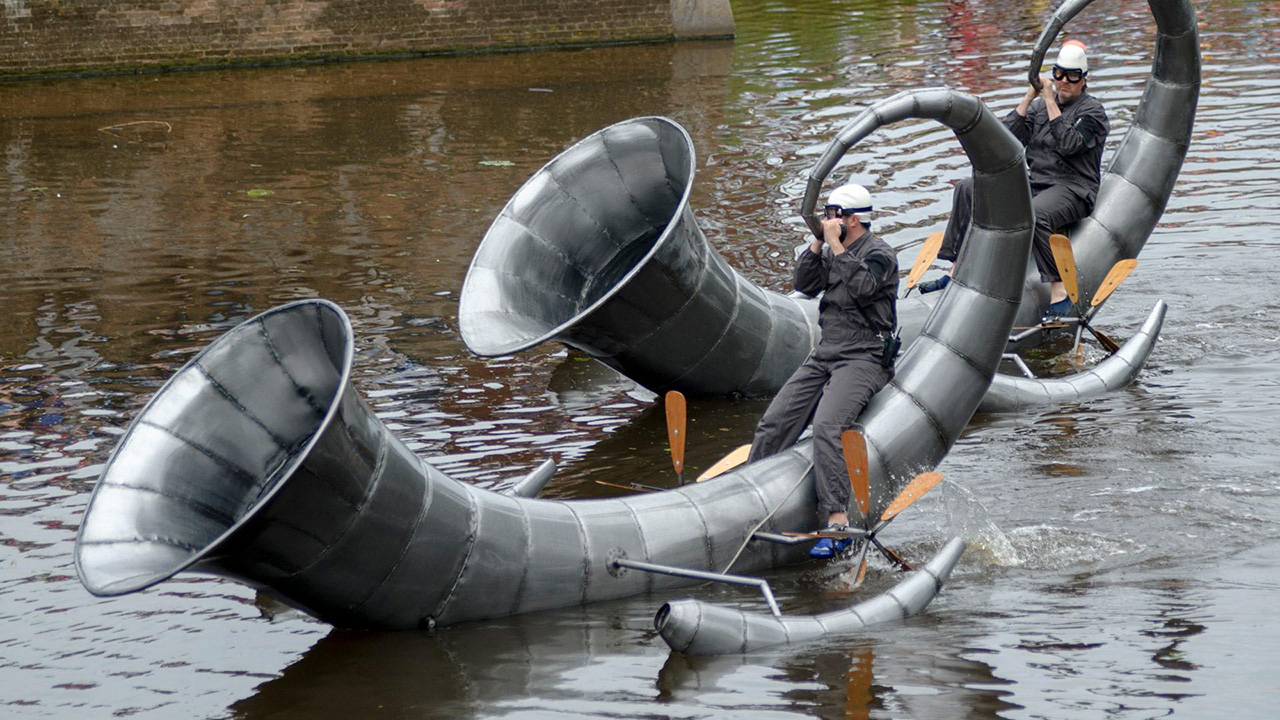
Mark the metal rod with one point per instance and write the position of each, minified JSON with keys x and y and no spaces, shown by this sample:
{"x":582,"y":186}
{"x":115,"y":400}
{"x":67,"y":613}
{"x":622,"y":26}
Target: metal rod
{"x":1022,"y":365}
{"x":703,"y":575}
{"x":782,"y":539}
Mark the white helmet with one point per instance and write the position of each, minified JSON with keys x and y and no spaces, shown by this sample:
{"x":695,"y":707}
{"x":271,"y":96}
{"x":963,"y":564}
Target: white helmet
{"x":1071,"y":57}
{"x":852,"y":199}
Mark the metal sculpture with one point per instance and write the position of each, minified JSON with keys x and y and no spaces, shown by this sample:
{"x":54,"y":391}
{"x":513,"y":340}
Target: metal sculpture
{"x":655,"y":303}
{"x":258,"y":461}
{"x":911,"y":424}
{"x":600,"y":250}
{"x":1013,"y":393}
{"x":698,"y":628}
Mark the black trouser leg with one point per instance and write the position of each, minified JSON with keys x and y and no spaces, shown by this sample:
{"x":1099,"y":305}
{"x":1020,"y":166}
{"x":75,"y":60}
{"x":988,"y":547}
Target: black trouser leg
{"x":852,"y":384}
{"x":958,"y":225}
{"x":1055,"y":208}
{"x":790,"y":410}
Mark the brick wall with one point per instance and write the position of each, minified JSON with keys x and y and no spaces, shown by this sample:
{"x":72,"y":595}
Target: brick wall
{"x":89,"y":36}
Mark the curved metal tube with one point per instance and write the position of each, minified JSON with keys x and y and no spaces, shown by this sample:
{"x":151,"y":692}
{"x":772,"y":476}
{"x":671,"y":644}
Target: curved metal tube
{"x":1134,"y":190}
{"x":911,"y":424}
{"x":258,"y":461}
{"x":1140,"y":176}
{"x":1010,"y":392}
{"x":600,"y":251}
{"x":698,"y":628}
{"x":676,"y":316}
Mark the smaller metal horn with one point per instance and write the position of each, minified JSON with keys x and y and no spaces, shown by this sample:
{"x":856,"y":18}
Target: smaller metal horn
{"x":600,"y":250}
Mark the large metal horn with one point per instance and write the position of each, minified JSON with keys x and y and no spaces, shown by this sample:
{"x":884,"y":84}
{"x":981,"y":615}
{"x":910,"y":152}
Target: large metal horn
{"x":600,"y":250}
{"x":259,"y":462}
{"x":912,"y":423}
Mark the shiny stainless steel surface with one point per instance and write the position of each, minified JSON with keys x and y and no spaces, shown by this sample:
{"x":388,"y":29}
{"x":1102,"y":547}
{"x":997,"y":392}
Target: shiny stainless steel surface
{"x":120,"y":263}
{"x":700,"y":628}
{"x":600,"y":250}
{"x":1011,"y":392}
{"x":258,"y":461}
{"x":1141,"y":174}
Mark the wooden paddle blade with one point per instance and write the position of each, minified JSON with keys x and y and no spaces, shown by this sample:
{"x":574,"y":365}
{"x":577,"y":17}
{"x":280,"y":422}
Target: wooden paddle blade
{"x":726,"y":463}
{"x":1108,"y":343}
{"x":676,"y":420}
{"x":1065,"y":259}
{"x":923,"y":483}
{"x":893,"y":557}
{"x":1118,"y":273}
{"x":862,"y":570}
{"x":633,"y":486}
{"x":855,"y":460}
{"x":928,"y":253}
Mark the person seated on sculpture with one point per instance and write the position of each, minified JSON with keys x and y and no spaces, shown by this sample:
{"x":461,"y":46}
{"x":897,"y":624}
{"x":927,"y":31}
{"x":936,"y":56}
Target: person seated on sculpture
{"x":856,"y":274}
{"x":1063,"y":129}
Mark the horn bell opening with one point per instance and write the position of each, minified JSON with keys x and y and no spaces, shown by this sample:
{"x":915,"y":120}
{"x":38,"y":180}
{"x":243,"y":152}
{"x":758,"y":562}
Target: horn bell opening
{"x":574,"y":234}
{"x":213,"y":445}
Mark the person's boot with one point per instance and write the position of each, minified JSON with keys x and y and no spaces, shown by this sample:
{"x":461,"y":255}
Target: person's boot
{"x":934,"y":285}
{"x":1064,"y":308}
{"x":828,"y":547}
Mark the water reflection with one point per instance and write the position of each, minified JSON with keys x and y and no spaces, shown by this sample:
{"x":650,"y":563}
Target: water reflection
{"x":1121,"y":548}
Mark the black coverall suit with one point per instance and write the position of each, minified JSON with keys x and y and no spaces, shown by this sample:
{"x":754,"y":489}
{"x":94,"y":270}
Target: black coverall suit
{"x":1064,"y":163}
{"x":833,"y":385}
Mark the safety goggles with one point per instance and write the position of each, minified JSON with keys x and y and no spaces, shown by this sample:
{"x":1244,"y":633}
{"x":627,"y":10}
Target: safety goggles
{"x":832,"y":211}
{"x":1072,"y":76}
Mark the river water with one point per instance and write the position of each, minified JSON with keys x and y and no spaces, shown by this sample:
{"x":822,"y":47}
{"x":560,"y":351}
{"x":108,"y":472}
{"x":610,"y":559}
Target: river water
{"x":1124,"y":552}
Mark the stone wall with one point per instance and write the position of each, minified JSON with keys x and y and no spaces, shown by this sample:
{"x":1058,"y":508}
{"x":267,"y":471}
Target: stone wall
{"x":103,"y":36}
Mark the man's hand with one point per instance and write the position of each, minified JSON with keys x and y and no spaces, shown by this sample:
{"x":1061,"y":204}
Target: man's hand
{"x":1050,"y":100}
{"x":1033,"y":90}
{"x":831,"y":233}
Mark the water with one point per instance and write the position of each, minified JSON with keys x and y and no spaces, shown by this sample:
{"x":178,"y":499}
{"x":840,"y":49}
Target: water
{"x":1124,"y":552}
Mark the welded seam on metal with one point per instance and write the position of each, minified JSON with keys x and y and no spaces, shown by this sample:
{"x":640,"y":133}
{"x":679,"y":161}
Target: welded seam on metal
{"x":586,"y":552}
{"x":737,"y":305}
{"x":585,"y":213}
{"x":953,"y":350}
{"x":527,"y":524}
{"x":252,"y":478}
{"x":379,"y":468}
{"x":239,"y":406}
{"x":608,"y":153}
{"x":938,"y":430}
{"x":814,"y":334}
{"x":706,"y":531}
{"x":764,"y":508}
{"x":473,"y":535}
{"x":575,"y":302}
{"x":417,"y":523}
{"x":205,"y":509}
{"x":697,"y":625}
{"x":297,"y":387}
{"x":1118,"y":247}
{"x":153,"y":540}
{"x":1155,"y":202}
{"x":768,"y":339}
{"x":644,"y":310}
{"x":644,"y":545}
{"x":555,"y":249}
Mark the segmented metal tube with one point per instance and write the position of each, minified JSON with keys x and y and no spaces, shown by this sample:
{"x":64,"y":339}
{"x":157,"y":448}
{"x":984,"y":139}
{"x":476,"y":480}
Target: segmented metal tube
{"x":259,"y":461}
{"x":698,"y":628}
{"x":1010,"y":392}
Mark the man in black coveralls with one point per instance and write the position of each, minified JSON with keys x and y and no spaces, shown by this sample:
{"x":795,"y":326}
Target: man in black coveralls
{"x":857,"y":275}
{"x":1064,"y":129}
